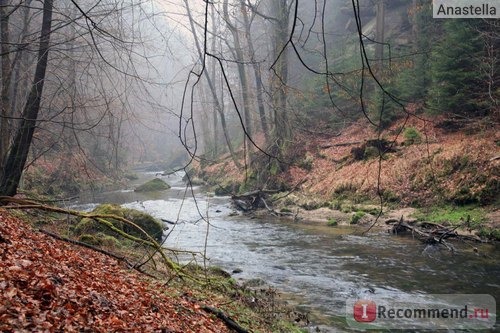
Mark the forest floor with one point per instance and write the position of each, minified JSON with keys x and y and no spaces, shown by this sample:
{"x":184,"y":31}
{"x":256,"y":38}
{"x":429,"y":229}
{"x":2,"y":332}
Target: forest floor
{"x":48,"y":285}
{"x":437,"y":164}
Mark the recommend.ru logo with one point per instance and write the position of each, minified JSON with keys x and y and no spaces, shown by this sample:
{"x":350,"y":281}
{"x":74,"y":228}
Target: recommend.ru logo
{"x":460,"y":311}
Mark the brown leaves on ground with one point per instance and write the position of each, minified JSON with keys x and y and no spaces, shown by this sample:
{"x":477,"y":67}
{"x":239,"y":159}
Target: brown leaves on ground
{"x":443,"y":162}
{"x":50,"y":286}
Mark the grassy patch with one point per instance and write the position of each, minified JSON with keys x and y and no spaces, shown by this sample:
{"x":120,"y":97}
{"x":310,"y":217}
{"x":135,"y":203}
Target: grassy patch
{"x":257,"y":309}
{"x":489,"y":233}
{"x":357,"y":217}
{"x":332,"y":222}
{"x":451,"y":214}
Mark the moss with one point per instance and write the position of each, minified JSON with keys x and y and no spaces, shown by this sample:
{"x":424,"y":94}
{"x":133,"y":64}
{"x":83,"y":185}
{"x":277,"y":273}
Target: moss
{"x":148,"y":223}
{"x":153,"y":185}
{"x":90,"y":239}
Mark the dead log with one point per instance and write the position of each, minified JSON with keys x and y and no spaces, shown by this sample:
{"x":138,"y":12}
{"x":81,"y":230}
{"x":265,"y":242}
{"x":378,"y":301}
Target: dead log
{"x":250,"y":200}
{"x":431,"y":233}
{"x":225,"y":318}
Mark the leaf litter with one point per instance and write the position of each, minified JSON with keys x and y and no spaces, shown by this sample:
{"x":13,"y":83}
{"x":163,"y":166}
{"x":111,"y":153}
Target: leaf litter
{"x":48,"y":285}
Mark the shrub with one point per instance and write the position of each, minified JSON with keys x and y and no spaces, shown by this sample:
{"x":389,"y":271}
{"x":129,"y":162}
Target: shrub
{"x":306,"y":163}
{"x":357,"y":217}
{"x":411,"y":136}
{"x":332,"y":222}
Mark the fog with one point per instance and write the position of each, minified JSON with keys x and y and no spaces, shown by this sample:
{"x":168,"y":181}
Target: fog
{"x":158,"y":81}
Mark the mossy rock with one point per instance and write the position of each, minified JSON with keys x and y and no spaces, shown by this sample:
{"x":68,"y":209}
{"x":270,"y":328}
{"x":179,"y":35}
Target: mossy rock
{"x":153,"y":185}
{"x":148,"y":223}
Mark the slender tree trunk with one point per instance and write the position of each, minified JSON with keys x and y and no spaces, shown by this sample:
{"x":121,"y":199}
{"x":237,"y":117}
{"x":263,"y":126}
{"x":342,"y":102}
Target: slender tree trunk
{"x":6,"y":77}
{"x":243,"y":80}
{"x":16,"y":159}
{"x":218,"y":106}
{"x":258,"y":77}
{"x":215,"y":151}
{"x":379,"y":47}
{"x":20,"y":62}
{"x":282,"y":128}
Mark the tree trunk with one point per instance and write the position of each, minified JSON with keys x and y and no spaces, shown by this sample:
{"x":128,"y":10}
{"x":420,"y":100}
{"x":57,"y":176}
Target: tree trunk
{"x":18,"y":153}
{"x":215,"y":138}
{"x":243,"y":79}
{"x":379,"y":47}
{"x":6,"y":76}
{"x":282,"y":129}
{"x":258,"y":77}
{"x":218,"y":106}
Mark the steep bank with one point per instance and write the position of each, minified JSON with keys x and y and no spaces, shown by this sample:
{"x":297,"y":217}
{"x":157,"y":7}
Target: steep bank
{"x":418,"y":163}
{"x":49,"y":285}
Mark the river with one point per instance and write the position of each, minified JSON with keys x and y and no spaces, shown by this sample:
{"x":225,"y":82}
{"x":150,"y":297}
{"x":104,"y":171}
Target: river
{"x":321,"y":265}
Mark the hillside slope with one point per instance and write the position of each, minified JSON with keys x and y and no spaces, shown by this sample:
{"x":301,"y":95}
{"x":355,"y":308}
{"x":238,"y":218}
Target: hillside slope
{"x":48,"y":285}
{"x":413,"y":163}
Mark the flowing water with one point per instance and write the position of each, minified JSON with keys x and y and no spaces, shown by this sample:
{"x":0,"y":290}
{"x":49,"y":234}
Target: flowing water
{"x":321,"y":265}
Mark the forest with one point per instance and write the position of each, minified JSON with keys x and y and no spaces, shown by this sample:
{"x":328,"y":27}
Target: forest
{"x":123,"y":120}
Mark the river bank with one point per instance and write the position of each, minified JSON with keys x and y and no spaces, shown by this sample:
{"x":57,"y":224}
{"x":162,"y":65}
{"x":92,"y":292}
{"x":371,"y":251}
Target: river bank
{"x":428,"y":172}
{"x":51,"y":284}
{"x":316,"y":266}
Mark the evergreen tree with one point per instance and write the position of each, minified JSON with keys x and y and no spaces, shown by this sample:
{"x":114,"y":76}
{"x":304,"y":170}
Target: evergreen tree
{"x":415,"y":80}
{"x":458,"y":83}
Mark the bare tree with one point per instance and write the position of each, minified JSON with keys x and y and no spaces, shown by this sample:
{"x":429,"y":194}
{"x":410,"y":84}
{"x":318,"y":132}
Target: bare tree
{"x":18,"y":153}
{"x":218,"y":105}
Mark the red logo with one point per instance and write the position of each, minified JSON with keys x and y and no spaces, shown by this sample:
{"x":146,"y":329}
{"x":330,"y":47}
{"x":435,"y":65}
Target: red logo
{"x":365,"y":311}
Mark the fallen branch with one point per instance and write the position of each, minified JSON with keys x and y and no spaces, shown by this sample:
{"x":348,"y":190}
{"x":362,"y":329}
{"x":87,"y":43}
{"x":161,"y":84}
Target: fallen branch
{"x":225,"y":318}
{"x":101,"y":218}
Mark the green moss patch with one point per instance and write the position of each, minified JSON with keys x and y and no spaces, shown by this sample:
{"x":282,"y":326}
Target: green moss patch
{"x":153,"y":185}
{"x":90,"y":227}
